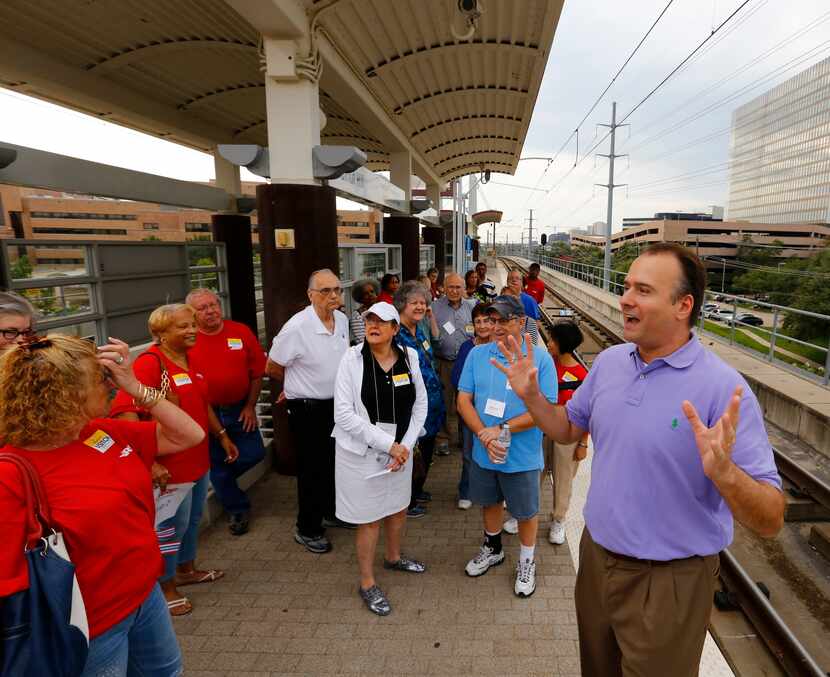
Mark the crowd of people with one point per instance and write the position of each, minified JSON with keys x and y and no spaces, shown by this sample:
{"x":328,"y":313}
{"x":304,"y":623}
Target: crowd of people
{"x":125,"y":449}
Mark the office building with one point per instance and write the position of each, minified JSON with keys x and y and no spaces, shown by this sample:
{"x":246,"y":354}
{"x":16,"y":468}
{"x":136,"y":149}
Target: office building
{"x":780,"y":152}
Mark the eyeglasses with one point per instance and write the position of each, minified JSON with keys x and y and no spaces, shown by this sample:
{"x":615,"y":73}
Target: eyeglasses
{"x":328,"y":291}
{"x":503,"y":321}
{"x":13,"y":334}
{"x":483,"y":320}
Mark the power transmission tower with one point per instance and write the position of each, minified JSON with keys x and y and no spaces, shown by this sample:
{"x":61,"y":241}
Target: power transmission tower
{"x":606,"y":273}
{"x":530,"y":228}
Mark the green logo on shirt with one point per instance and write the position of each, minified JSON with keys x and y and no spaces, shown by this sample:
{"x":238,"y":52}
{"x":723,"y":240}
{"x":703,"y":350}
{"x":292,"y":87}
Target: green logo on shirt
{"x":674,"y":424}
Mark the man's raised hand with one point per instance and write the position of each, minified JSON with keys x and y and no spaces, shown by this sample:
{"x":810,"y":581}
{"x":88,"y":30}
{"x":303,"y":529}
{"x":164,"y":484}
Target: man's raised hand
{"x":521,"y":371}
{"x":715,"y":444}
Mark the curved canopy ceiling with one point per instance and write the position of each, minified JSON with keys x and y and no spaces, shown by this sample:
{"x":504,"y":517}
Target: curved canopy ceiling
{"x":190,"y":71}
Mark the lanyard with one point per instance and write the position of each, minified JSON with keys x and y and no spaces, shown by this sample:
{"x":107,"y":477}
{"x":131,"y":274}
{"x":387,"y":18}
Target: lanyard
{"x":375,"y":381}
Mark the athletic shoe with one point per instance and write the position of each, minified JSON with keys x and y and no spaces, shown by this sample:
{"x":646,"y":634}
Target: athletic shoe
{"x":375,"y":600}
{"x":416,"y":512}
{"x":238,"y":524}
{"x":337,"y":523}
{"x":557,"y":533}
{"x":318,"y":544}
{"x":413,"y":566}
{"x":525,"y":579}
{"x":464,"y":504}
{"x":511,"y":526}
{"x":423,"y":497}
{"x":485,"y":559}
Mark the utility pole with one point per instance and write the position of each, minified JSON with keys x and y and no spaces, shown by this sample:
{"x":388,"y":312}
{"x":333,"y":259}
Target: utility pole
{"x":606,"y":273}
{"x":530,"y":228}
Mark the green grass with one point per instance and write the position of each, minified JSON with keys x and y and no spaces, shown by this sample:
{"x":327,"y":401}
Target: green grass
{"x":747,"y":342}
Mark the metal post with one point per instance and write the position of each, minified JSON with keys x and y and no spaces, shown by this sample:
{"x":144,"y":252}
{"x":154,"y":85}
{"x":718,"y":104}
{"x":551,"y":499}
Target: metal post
{"x":772,"y":335}
{"x":723,"y":275}
{"x":610,"y":186}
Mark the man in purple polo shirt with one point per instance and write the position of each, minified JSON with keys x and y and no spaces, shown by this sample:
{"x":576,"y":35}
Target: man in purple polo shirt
{"x":680,"y":449}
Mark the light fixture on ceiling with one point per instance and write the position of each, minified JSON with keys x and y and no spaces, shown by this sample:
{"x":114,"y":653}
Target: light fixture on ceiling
{"x":471,"y":10}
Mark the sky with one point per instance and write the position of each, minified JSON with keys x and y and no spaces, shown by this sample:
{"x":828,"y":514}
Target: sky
{"x":681,"y":130}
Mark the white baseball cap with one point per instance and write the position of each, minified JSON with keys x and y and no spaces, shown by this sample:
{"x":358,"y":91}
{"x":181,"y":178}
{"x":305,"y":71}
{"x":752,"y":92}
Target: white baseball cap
{"x":385,"y":311}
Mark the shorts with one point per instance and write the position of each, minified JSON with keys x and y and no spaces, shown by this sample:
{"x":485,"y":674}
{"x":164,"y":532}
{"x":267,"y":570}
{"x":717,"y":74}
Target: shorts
{"x":519,"y":489}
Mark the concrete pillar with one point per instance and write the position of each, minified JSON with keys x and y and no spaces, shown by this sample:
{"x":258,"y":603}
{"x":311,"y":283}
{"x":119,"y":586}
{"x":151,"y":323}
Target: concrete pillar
{"x":234,"y":230}
{"x":293,"y":113}
{"x":400,"y":172}
{"x":404,"y":230}
{"x":308,"y":217}
{"x":434,"y":235}
{"x":434,"y":194}
{"x":227,"y":175}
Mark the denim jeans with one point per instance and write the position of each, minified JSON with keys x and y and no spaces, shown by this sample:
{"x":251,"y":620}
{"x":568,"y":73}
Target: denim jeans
{"x":179,"y":535}
{"x":224,"y":476}
{"x":466,"y":459}
{"x":142,"y":645}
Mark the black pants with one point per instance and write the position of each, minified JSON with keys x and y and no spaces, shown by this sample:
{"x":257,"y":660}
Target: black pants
{"x":427,"y":447}
{"x":311,"y":424}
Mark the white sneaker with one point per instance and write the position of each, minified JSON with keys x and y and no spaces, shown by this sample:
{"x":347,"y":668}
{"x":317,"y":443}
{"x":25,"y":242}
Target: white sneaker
{"x":511,"y":526}
{"x":485,"y":559}
{"x":464,"y":504}
{"x":557,"y":533}
{"x":525,"y":579}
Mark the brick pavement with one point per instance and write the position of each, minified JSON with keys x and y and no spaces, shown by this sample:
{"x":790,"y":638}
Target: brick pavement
{"x":283,"y":611}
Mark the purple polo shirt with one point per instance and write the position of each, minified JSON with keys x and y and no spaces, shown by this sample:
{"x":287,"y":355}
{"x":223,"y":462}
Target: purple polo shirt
{"x":648,"y":496}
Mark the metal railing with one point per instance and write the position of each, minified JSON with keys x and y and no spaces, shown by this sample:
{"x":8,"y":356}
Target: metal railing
{"x":97,"y":289}
{"x":767,"y":341}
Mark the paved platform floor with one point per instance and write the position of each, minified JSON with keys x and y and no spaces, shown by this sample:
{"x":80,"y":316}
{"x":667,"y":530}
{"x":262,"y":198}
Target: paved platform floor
{"x":283,"y":611}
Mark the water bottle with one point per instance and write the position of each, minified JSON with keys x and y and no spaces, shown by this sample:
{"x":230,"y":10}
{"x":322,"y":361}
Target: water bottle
{"x":504,"y":441}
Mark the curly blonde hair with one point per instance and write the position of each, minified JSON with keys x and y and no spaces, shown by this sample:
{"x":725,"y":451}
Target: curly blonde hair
{"x":44,"y":389}
{"x":162,"y":317}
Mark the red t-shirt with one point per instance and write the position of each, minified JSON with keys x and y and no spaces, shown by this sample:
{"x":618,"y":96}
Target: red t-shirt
{"x":101,"y":497}
{"x":191,"y":389}
{"x":229,"y":360}
{"x":536,"y":288}
{"x":570,"y":378}
{"x":383,"y":296}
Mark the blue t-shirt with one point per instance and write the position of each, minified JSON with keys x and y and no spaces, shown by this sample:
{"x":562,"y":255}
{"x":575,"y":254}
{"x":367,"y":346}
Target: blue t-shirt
{"x":531,"y":307}
{"x":461,"y":358}
{"x":484,"y":381}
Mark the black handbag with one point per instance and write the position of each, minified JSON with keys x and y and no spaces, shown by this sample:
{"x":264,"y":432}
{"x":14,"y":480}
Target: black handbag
{"x":43,"y":629}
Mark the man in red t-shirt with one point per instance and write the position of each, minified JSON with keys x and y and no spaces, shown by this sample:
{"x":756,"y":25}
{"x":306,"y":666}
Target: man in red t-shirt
{"x":233,"y":363}
{"x":533,"y":285}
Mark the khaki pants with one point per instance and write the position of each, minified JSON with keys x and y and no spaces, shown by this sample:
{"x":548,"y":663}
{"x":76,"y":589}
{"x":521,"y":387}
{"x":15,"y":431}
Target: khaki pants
{"x":639,"y":618}
{"x":449,"y":431}
{"x":559,"y":461}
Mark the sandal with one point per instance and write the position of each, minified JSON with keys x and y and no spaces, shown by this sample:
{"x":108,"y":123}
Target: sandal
{"x":194,"y":577}
{"x":179,"y":607}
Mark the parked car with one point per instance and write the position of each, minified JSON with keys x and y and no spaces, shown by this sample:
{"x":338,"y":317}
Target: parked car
{"x":720,"y":298}
{"x":723,"y":316}
{"x":710,"y":309}
{"x":750,"y":319}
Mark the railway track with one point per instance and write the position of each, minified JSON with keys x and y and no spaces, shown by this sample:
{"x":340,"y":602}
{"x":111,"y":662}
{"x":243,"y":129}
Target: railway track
{"x":739,"y":591}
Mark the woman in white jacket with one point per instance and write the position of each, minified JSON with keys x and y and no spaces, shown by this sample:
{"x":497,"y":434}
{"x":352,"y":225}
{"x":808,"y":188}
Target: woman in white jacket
{"x":380,"y":405}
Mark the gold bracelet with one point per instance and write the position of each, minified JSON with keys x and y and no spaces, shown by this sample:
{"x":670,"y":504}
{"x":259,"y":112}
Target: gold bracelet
{"x":224,"y":431}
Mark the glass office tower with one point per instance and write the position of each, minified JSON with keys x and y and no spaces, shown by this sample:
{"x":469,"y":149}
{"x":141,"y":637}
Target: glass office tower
{"x":780,"y":152}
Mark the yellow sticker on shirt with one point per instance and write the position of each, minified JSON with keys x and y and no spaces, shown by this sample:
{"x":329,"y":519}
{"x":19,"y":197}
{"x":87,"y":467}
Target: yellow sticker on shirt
{"x":469,"y":329}
{"x":235,"y":343}
{"x":426,"y":345}
{"x":569,"y":377}
{"x":99,"y":441}
{"x":400,"y":379}
{"x":182,"y":379}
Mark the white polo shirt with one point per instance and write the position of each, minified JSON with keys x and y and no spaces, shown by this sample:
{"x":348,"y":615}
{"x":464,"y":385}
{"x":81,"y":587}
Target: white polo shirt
{"x":310,"y":354}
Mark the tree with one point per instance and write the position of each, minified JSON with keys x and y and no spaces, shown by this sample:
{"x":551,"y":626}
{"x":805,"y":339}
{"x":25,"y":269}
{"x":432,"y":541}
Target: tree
{"x":21,"y":269}
{"x":151,"y":238}
{"x":813,"y":294}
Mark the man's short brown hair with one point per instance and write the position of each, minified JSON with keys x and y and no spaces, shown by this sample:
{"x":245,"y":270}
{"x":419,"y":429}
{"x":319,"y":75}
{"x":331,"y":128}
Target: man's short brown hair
{"x":692,"y":275}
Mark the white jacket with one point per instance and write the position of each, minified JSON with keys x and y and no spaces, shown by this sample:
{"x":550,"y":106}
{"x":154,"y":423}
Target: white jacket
{"x":353,"y":429}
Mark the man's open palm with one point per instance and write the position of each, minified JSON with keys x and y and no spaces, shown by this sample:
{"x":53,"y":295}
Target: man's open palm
{"x":715,"y":444}
{"x":521,"y":372}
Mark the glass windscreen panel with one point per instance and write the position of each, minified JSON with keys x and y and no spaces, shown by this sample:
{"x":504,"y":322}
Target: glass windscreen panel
{"x":33,"y":262}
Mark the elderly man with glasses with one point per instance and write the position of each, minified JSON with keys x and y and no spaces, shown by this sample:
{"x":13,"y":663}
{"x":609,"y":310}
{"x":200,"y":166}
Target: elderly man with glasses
{"x":15,"y":320}
{"x":498,"y":472}
{"x":304,"y":359}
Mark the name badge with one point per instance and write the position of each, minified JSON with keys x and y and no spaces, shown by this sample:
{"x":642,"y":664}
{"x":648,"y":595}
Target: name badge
{"x":182,"y":379}
{"x":449,"y":327}
{"x":99,"y":441}
{"x":400,"y":380}
{"x":494,"y":408}
{"x":235,"y":343}
{"x":426,"y":345}
{"x":569,"y":377}
{"x":469,"y":329}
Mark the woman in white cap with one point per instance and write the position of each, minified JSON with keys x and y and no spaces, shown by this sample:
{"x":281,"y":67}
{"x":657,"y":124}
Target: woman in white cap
{"x":380,"y":405}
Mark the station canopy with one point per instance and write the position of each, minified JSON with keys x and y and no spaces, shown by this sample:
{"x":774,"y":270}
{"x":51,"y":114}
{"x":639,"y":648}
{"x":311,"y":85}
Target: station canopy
{"x":395,"y":74}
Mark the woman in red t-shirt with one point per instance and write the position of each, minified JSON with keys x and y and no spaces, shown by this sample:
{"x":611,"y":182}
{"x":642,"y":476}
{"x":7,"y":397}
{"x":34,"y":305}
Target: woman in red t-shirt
{"x":563,"y":459}
{"x":96,"y":476}
{"x":174,"y":332}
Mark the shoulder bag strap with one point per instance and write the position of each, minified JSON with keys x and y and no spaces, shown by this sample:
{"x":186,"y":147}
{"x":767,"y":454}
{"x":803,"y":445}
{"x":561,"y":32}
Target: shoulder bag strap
{"x":38,"y":516}
{"x":164,"y":379}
